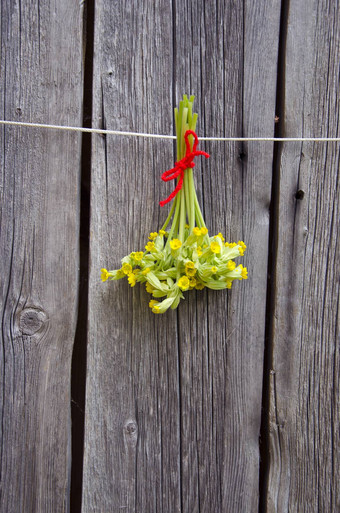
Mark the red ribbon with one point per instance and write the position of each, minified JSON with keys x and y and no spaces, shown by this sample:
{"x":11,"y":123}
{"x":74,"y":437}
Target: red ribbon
{"x":185,"y":163}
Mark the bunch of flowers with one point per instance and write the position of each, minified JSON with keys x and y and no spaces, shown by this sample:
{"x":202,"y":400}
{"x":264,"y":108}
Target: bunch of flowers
{"x":185,"y":257}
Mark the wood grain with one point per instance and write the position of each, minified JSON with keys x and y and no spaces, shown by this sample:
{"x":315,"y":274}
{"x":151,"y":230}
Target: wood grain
{"x":222,"y":335}
{"x":174,"y":402}
{"x":40,"y":81}
{"x":304,"y":410}
{"x":131,"y":460}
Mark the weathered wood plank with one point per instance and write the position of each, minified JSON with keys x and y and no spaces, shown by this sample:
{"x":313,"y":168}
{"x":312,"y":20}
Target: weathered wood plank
{"x":174,"y":402}
{"x":40,"y":81}
{"x":222,"y":334}
{"x":132,"y":395}
{"x":304,"y":413}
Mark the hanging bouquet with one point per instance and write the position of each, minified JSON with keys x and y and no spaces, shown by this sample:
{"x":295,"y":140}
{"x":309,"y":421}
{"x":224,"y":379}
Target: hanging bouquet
{"x":184,"y":257}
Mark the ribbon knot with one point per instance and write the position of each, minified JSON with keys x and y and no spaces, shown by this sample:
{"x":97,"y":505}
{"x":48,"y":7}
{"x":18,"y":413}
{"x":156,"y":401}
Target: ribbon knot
{"x":185,"y":163}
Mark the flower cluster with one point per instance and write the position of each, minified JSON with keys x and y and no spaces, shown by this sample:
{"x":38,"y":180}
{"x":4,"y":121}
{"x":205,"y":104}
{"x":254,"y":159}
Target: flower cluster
{"x":185,"y":257}
{"x":170,"y":267}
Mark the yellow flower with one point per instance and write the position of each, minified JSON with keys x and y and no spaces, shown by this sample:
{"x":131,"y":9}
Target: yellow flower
{"x":183,"y":283}
{"x":149,"y":287}
{"x":244,"y":272}
{"x":229,"y":282}
{"x":199,"y":285}
{"x":146,"y":271}
{"x":126,"y":268}
{"x":199,"y":251}
{"x":197,"y":231}
{"x":204,"y":230}
{"x":162,"y":232}
{"x":231,"y":265}
{"x":132,"y":279}
{"x":175,"y":244}
{"x":220,"y":236}
{"x":138,"y":256}
{"x":242,"y":244}
{"x":190,"y":269}
{"x":153,"y":235}
{"x":230,"y":245}
{"x":214,"y":269}
{"x":190,"y":272}
{"x":215,"y":247}
{"x":163,"y":306}
{"x":104,"y":274}
{"x":192,"y":282}
{"x":154,"y":305}
{"x":150,"y":246}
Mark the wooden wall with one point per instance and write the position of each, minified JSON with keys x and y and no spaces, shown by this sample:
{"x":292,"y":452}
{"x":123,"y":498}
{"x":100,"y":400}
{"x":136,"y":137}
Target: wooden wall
{"x":230,"y":403}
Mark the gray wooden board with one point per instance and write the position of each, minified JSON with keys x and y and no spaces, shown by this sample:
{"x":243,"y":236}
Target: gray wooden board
{"x":40,"y":81}
{"x":304,"y":410}
{"x":132,"y":403}
{"x":221,"y":334}
{"x":173,"y":402}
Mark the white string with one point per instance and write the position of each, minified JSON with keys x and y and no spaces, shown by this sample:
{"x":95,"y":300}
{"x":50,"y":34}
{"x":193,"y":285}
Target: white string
{"x":160,"y":136}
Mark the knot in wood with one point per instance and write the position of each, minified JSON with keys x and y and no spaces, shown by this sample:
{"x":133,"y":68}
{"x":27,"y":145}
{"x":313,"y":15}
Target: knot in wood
{"x":130,"y":427}
{"x":32,"y":320}
{"x":130,"y":433}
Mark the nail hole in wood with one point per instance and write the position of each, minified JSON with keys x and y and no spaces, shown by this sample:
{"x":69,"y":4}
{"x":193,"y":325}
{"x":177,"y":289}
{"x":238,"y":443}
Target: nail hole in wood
{"x":299,"y":194}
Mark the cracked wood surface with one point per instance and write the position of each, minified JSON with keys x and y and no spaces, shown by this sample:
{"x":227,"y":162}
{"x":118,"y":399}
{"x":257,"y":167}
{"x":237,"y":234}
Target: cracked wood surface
{"x":173,"y":402}
{"x":40,"y":81}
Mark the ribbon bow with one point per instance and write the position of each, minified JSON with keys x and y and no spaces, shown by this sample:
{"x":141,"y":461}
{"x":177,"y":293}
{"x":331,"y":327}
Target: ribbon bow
{"x":186,"y":162}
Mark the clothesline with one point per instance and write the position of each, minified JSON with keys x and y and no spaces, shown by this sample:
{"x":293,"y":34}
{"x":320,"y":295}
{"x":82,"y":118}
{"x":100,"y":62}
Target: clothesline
{"x":161,"y":136}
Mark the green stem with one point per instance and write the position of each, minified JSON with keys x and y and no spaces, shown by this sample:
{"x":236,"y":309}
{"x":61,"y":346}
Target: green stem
{"x":191,"y":183}
{"x":185,"y":204}
{"x":186,"y":188}
{"x":182,"y":216}
{"x":199,"y":216}
{"x":174,"y":226}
